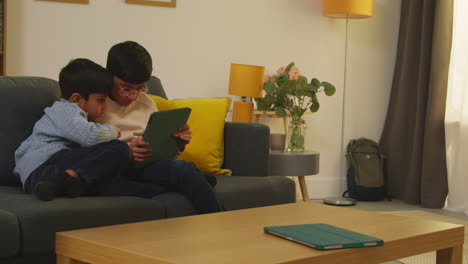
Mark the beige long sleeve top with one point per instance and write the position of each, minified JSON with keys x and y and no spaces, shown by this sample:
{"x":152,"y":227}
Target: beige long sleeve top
{"x":131,"y":119}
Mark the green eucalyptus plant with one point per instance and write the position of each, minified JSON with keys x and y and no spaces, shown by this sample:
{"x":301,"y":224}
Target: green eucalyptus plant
{"x":289,"y":91}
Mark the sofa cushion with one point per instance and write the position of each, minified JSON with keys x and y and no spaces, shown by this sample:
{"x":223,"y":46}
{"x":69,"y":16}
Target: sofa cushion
{"x":206,"y":122}
{"x":23,"y":103}
{"x":10,"y":233}
{"x":40,"y":220}
{"x":236,"y":192}
{"x":176,"y":204}
{"x":242,"y":192}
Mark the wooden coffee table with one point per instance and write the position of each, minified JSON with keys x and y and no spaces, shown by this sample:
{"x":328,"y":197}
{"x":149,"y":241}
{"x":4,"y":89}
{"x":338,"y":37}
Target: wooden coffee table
{"x":237,"y":237}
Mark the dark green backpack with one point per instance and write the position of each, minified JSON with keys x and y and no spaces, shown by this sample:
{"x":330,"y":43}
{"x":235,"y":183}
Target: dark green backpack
{"x":366,"y":170}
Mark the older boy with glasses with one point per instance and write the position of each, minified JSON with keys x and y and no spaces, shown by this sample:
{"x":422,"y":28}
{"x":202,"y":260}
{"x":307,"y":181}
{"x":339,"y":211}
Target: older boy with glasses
{"x":129,"y":108}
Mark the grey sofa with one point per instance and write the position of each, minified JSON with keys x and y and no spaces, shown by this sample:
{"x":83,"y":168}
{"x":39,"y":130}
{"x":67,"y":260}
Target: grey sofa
{"x":28,"y":226}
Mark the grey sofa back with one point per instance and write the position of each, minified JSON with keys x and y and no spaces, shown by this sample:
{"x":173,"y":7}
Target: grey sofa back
{"x":23,"y":100}
{"x":155,"y":87}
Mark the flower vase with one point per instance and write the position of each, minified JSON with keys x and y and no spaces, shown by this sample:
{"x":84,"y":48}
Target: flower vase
{"x":296,"y":135}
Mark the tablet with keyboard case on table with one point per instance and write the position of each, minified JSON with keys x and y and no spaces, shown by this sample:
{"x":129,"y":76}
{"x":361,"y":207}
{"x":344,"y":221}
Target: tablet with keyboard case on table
{"x":323,"y":236}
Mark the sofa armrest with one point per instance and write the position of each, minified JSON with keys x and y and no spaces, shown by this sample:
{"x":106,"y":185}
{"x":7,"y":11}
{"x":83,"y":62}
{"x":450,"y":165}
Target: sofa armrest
{"x":246,"y":148}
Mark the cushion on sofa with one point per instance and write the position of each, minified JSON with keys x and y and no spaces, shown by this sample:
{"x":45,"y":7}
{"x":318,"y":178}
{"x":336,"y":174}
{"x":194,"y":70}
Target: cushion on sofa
{"x":40,"y":220}
{"x":206,"y":123}
{"x":10,"y":233}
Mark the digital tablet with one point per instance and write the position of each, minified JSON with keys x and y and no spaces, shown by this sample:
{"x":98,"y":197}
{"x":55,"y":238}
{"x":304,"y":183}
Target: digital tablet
{"x":323,"y":236}
{"x":158,"y":133}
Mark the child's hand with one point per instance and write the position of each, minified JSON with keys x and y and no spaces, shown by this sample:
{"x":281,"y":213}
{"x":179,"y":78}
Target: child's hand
{"x":138,"y":134}
{"x":185,"y":135}
{"x":139,"y":149}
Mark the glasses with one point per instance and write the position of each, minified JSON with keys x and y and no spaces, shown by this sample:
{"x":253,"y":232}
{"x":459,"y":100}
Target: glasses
{"x":126,"y":91}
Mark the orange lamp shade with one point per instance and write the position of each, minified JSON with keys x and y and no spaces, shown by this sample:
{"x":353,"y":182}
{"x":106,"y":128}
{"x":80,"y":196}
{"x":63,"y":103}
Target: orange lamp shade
{"x":348,"y":8}
{"x":246,"y":80}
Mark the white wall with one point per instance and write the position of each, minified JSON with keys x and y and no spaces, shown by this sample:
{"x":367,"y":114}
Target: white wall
{"x":193,"y":45}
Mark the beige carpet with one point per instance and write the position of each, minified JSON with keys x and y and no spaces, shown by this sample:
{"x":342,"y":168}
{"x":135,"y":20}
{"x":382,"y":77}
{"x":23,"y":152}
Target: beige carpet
{"x":430,"y":258}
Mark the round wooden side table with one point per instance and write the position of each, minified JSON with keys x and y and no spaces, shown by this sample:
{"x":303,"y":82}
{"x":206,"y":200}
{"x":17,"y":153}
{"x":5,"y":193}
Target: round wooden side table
{"x":296,"y":164}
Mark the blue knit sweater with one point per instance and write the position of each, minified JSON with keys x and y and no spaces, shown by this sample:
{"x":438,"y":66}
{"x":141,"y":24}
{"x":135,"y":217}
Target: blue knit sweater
{"x":64,"y":125}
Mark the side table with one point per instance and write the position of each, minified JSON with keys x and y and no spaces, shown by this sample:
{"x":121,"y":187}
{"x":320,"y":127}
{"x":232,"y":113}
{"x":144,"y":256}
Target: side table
{"x":296,"y":164}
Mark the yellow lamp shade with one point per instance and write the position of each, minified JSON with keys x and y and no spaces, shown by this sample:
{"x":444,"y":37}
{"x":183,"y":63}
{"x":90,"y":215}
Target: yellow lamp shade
{"x":348,"y":8}
{"x":246,"y":80}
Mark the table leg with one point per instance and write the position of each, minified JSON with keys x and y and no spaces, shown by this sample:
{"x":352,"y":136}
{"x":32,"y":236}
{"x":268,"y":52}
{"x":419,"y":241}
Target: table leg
{"x":66,"y":260}
{"x":450,"y":255}
{"x":257,"y":118}
{"x":305,"y":193}
{"x":297,"y":186}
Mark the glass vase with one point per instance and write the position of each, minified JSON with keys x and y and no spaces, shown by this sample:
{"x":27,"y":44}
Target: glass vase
{"x":296,"y":135}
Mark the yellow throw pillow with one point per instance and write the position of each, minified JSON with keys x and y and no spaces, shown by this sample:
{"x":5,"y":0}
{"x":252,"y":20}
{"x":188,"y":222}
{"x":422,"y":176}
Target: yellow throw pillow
{"x":206,"y":121}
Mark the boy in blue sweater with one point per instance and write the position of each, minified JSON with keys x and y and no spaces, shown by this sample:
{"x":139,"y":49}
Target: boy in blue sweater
{"x":67,"y":151}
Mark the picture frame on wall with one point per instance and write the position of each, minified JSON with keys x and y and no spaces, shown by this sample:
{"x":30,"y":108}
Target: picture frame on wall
{"x":164,"y":3}
{"x":69,"y":1}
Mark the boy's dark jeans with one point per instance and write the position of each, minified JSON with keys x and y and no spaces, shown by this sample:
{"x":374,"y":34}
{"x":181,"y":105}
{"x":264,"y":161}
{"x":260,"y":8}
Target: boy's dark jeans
{"x":94,"y":164}
{"x":163,"y":176}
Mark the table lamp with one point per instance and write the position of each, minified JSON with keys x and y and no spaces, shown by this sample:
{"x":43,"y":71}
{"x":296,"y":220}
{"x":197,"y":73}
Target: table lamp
{"x":245,"y":81}
{"x":353,"y":9}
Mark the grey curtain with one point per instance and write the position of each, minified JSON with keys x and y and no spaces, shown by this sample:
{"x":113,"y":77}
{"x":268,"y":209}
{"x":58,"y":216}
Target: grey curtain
{"x":413,"y":137}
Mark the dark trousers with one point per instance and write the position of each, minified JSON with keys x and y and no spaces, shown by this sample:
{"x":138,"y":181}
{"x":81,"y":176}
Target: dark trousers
{"x":95,"y":164}
{"x":162,"y":176}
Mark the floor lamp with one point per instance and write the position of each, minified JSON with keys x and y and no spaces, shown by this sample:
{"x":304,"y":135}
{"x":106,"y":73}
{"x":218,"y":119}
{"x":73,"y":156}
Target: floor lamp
{"x":346,"y":9}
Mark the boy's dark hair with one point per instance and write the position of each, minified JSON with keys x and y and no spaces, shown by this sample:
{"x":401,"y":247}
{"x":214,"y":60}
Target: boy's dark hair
{"x":130,"y":62}
{"x":84,"y":77}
